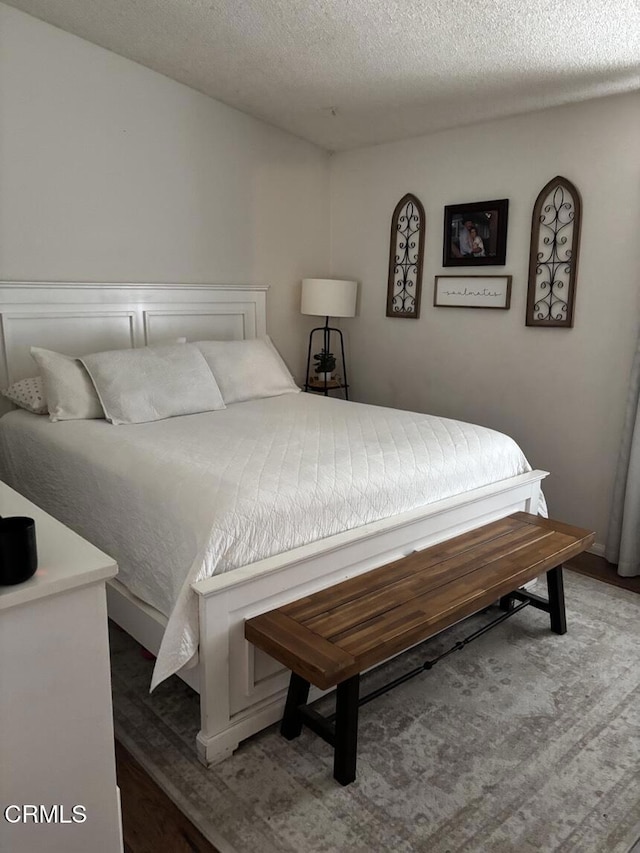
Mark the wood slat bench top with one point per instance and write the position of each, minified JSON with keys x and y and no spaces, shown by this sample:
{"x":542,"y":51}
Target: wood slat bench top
{"x":340,"y":631}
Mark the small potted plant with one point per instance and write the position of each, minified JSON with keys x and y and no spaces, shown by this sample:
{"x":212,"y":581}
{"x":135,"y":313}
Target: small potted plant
{"x":325,"y":365}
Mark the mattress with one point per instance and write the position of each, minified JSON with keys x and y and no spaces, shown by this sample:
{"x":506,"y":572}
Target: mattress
{"x":178,"y":500}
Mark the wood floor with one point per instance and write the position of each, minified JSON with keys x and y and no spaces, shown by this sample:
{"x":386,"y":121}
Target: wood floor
{"x":597,"y":567}
{"x":152,"y":822}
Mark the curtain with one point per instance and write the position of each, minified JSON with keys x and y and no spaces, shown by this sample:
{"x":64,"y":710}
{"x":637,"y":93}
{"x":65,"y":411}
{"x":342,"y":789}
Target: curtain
{"x":623,"y":540}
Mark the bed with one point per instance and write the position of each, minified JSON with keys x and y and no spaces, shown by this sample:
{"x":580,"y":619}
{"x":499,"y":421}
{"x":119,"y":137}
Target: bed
{"x":216,"y":517}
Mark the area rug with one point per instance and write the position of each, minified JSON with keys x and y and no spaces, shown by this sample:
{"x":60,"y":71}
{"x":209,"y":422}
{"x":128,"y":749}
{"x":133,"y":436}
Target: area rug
{"x":525,"y":741}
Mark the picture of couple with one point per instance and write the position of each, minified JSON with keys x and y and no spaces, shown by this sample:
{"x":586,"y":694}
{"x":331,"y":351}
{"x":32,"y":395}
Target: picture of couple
{"x":475,"y":234}
{"x":470,"y":243}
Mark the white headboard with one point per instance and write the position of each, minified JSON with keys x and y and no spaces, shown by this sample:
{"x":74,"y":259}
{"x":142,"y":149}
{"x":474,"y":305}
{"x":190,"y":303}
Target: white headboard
{"x":78,"y":318}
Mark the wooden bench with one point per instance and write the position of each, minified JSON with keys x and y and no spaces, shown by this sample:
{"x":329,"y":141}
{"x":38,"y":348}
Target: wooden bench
{"x":329,"y":638}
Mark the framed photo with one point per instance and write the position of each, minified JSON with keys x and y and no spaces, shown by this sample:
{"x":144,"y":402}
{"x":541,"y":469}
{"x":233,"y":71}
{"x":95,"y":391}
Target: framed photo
{"x":475,"y":234}
{"x":472,"y":291}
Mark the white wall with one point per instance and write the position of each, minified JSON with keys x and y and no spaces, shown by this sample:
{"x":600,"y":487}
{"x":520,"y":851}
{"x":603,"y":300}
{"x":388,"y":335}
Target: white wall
{"x":559,"y":392}
{"x":111,"y":172}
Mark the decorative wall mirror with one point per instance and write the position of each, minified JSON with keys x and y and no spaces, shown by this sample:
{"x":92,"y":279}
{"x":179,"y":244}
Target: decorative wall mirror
{"x":406,"y":253}
{"x":553,"y":259}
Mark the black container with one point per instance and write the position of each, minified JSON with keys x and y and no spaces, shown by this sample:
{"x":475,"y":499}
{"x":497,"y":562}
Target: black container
{"x":18,"y":553}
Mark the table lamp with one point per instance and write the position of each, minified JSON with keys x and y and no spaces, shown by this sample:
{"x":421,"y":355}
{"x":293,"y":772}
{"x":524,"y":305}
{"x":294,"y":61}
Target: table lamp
{"x":327,"y":297}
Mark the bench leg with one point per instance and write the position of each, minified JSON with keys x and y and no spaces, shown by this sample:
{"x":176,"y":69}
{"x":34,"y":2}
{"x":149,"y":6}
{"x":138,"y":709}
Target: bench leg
{"x":555,"y":587}
{"x":507,"y":603}
{"x":346,"y":744}
{"x":291,"y":725}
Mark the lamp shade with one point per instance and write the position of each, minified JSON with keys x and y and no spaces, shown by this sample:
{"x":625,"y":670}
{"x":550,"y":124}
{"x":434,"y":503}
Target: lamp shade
{"x":329,"y":297}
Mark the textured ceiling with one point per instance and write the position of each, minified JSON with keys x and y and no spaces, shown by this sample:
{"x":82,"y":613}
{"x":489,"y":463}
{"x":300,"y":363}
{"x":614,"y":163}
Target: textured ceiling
{"x":346,"y":73}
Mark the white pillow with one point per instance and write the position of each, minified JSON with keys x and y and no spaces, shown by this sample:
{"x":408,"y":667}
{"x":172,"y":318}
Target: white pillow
{"x":248,"y":370}
{"x":153,"y":383}
{"x":67,"y":386}
{"x":68,"y":389}
{"x":28,"y":394}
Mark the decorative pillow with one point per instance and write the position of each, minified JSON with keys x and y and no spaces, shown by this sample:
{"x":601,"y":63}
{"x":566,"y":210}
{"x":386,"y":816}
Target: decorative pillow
{"x":67,"y":386}
{"x":28,"y":394}
{"x":248,"y":370}
{"x":153,"y":383}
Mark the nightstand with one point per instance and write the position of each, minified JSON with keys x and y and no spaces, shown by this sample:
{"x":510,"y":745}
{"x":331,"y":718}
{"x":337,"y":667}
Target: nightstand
{"x":56,"y":724}
{"x":320,"y":387}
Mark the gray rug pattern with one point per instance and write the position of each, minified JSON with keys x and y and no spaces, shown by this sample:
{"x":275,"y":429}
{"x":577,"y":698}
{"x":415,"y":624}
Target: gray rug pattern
{"x":525,"y":741}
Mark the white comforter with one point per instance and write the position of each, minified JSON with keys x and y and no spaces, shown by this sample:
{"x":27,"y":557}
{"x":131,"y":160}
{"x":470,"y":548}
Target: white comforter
{"x":177,"y":500}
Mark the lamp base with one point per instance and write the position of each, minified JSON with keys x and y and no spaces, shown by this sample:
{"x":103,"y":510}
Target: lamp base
{"x":325,"y":382}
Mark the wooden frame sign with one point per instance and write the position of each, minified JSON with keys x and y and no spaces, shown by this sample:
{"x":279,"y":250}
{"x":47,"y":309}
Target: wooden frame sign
{"x":472,"y":291}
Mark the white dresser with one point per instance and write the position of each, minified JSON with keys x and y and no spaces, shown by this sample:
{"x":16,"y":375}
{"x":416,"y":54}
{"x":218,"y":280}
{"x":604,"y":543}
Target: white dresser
{"x":56,"y":724}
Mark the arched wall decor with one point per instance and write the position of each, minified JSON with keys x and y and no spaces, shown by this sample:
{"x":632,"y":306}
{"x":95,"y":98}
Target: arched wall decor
{"x":406,"y":254}
{"x":553,"y":259}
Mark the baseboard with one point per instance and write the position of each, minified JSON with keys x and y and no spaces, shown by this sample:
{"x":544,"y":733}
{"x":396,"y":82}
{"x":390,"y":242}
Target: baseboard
{"x":598,"y":549}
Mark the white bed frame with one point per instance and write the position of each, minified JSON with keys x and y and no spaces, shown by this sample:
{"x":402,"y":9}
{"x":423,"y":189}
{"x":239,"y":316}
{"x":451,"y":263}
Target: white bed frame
{"x":241,"y":689}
